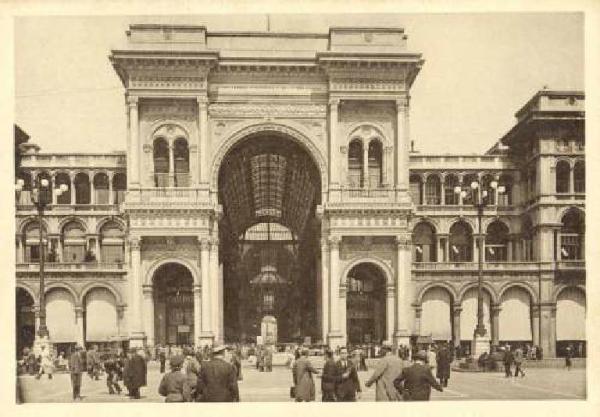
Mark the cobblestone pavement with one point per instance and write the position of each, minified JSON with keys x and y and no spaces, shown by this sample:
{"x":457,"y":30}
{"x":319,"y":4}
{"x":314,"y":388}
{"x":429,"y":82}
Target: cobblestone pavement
{"x":274,"y":386}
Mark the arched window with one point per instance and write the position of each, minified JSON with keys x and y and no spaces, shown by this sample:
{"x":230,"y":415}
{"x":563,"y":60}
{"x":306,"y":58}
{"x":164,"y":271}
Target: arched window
{"x":506,"y":198}
{"x":355,"y":164}
{"x":450,"y":197}
{"x":32,"y":243}
{"x":101,"y":188}
{"x":25,"y":194}
{"x":572,"y":235}
{"x":432,"y":191}
{"x":424,"y":243}
{"x":461,"y":242}
{"x":82,"y":189}
{"x":579,"y":177}
{"x":467,"y":180}
{"x":119,"y":188}
{"x":415,"y":189}
{"x":486,"y":182}
{"x":496,"y":242}
{"x":112,"y":243}
{"x":563,"y":174}
{"x":181,"y":155}
{"x":527,"y":233}
{"x":73,"y":236}
{"x":160,"y":154}
{"x":375,"y":164}
{"x":60,"y":179}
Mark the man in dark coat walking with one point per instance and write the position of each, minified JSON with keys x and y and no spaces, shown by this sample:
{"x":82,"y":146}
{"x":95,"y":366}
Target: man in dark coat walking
{"x":508,"y":361}
{"x":443,"y":359}
{"x":76,"y":368}
{"x":348,"y":386}
{"x":416,"y":380}
{"x":329,"y":378}
{"x":217,"y":380}
{"x":134,"y":373}
{"x":162,"y":357}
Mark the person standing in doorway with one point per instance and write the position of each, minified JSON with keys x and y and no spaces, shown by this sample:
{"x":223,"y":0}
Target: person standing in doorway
{"x":388,"y":369}
{"x":569,"y":358}
{"x":76,"y":368}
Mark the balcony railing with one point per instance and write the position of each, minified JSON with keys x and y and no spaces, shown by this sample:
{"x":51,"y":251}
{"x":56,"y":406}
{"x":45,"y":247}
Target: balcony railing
{"x":571,"y":265}
{"x":487,"y":266}
{"x":68,"y":266}
{"x":367,"y":194}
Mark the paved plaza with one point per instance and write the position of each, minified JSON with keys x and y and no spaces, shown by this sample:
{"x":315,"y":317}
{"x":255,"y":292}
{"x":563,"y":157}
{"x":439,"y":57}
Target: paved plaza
{"x":539,"y":384}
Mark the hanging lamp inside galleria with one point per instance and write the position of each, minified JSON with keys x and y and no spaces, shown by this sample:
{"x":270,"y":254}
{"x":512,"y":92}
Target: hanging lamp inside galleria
{"x":269,"y":191}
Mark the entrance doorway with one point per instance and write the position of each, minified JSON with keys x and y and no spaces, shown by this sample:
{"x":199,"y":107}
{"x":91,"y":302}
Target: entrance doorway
{"x":173,"y":305}
{"x":269,"y":187}
{"x":365,"y":303}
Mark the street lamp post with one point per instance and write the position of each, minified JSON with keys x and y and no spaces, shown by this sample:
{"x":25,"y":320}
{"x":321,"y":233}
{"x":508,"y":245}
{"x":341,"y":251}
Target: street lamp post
{"x":480,"y":199}
{"x":41,"y":197}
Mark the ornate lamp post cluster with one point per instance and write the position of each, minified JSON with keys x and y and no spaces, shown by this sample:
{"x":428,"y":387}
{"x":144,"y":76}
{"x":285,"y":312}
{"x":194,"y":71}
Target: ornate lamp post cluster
{"x":480,"y":199}
{"x":41,"y":197}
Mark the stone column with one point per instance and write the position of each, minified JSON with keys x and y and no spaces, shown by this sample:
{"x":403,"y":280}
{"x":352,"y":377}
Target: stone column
{"x":548,"y":329}
{"x":79,"y":323}
{"x":92,"y":188}
{"x":535,"y":324}
{"x":390,"y":312}
{"x":203,"y":137}
{"x":111,"y":197}
{"x":97,"y":249}
{"x":135,"y":292}
{"x":418,"y":309}
{"x":197,"y":314}
{"x":325,"y":282}
{"x":172,"y":164}
{"x":206,"y":336}
{"x":334,"y":168}
{"x":216,"y":301}
{"x":495,"y":323}
{"x":335,"y":334}
{"x":19,"y":253}
{"x":134,"y":150}
{"x":343,"y":290}
{"x":442,"y":190}
{"x":456,"y":310}
{"x":365,"y":165}
{"x":404,"y":293}
{"x":402,"y":143}
{"x":148,"y":315}
{"x":72,"y":187}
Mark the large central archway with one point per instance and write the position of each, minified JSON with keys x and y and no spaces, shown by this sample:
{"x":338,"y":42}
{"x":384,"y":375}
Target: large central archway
{"x":269,"y":186}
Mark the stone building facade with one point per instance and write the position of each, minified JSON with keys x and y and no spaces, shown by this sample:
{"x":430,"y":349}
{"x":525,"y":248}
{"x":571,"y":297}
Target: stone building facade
{"x":272,"y":175}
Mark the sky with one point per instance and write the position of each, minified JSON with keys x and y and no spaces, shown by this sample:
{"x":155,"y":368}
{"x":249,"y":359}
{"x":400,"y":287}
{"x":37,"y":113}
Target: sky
{"x":479,"y":70}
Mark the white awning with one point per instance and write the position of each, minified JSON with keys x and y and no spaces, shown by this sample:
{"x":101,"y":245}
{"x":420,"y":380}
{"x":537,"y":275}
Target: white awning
{"x":515,"y":316}
{"x":570,"y":315}
{"x":100,"y":315}
{"x":60,"y":316}
{"x":435,"y":314}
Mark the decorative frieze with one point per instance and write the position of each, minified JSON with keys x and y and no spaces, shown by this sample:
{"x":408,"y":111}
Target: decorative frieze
{"x":168,"y":109}
{"x":273,"y":110}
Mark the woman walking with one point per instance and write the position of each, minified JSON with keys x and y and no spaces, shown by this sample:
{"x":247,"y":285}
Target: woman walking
{"x":303,"y":379}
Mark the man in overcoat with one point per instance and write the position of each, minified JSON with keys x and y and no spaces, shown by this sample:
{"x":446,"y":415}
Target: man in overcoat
{"x":217,"y":380}
{"x":348,"y":386}
{"x":303,"y":378}
{"x":135,"y":373}
{"x":388,"y":368}
{"x":328,"y":378}
{"x":444,"y":359}
{"x":416,"y":380}
{"x":76,"y":368}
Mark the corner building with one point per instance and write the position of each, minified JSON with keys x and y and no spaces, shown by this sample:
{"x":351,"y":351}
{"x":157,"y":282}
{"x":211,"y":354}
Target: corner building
{"x":271,"y":175}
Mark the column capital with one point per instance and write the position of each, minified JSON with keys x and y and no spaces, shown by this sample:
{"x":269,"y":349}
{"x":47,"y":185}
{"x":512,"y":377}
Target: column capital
{"x":343,"y":290}
{"x":197,"y":288}
{"x":402,"y":104}
{"x":390,"y":290}
{"x":79,"y":311}
{"x":147,"y":290}
{"x":202,"y":100}
{"x":334,"y":102}
{"x":334,"y":242}
{"x":214,"y":243}
{"x":344,"y":149}
{"x":204,"y":242}
{"x":132,"y":101}
{"x":324,"y":244}
{"x":496,"y":308}
{"x":403,"y":241}
{"x":135,"y":242}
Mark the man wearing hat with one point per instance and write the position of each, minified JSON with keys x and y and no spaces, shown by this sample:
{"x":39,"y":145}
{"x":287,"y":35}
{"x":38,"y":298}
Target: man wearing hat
{"x":388,"y":369}
{"x":302,"y":373}
{"x":348,"y":385}
{"x":174,"y":386}
{"x":217,"y":380}
{"x":134,"y":373}
{"x":329,"y":378}
{"x":416,"y":380}
{"x":76,"y":367}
